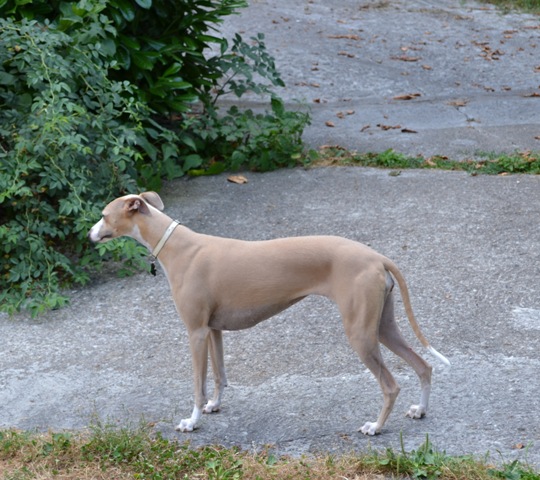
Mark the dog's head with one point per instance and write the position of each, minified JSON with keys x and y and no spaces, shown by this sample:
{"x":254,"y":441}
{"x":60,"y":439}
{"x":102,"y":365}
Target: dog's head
{"x":119,"y":217}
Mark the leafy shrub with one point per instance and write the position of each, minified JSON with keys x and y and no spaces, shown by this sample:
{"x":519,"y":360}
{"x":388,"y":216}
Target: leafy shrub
{"x":158,"y":45}
{"x":241,"y":138}
{"x":262,"y":142}
{"x":68,"y":138}
{"x":81,"y":86}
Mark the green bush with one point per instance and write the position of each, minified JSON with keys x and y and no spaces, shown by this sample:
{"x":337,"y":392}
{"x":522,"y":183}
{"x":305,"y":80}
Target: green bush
{"x":239,"y":138}
{"x":158,"y":45}
{"x":84,"y":88}
{"x":69,"y":139}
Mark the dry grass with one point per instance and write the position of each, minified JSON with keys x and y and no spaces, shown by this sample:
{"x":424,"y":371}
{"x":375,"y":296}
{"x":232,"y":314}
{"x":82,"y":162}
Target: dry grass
{"x":112,"y":453}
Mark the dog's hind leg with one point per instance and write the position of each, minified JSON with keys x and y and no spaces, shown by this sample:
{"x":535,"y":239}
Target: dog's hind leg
{"x":361,"y":322}
{"x":392,"y":338}
{"x":218,"y":368}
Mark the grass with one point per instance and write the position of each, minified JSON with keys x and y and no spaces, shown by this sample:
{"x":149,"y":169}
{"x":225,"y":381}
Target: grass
{"x":106,"y":452}
{"x":531,"y":6}
{"x":519,"y":162}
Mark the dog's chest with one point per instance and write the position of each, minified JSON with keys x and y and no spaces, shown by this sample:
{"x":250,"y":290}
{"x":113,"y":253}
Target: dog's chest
{"x":247,"y":317}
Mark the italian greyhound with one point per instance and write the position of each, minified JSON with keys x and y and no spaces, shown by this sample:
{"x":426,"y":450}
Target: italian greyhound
{"x":225,"y":284}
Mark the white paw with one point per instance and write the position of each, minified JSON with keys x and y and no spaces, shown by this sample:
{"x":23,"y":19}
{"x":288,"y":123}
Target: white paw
{"x":416,"y":411}
{"x":186,"y":425}
{"x":369,"y":428}
{"x":211,"y":407}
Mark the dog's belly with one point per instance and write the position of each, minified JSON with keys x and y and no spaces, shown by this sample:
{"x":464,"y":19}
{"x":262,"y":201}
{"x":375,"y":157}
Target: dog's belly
{"x":239,"y":319}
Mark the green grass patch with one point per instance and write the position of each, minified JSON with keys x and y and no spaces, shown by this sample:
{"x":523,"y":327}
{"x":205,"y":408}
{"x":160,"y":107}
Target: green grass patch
{"x":531,"y":6}
{"x":519,"y":162}
{"x":106,"y":452}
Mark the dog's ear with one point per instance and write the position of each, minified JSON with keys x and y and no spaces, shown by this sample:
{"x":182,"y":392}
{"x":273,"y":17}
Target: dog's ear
{"x":136,"y":204}
{"x":153,"y":199}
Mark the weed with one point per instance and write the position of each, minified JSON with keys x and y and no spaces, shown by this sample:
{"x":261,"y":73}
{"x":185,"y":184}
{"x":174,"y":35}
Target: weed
{"x":223,"y":464}
{"x":515,"y":471}
{"x":107,"y":451}
{"x":59,"y":442}
{"x":532,"y":6}
{"x":484,"y":163}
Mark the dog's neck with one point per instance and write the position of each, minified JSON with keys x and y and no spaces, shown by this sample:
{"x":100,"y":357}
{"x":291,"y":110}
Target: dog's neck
{"x":150,"y":233}
{"x":170,"y":229}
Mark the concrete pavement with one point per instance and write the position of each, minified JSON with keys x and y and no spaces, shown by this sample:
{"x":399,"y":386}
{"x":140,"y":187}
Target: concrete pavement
{"x":423,"y":77}
{"x":468,"y":247}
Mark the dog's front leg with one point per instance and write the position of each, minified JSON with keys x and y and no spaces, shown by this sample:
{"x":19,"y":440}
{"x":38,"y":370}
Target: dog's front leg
{"x":198,"y":341}
{"x":218,"y":367}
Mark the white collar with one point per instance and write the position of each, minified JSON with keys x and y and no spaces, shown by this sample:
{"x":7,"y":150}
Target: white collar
{"x":165,"y":237}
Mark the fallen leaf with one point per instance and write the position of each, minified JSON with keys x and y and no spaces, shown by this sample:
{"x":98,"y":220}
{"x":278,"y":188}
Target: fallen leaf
{"x":427,"y":67}
{"x":534,"y":94}
{"x":305,"y":84}
{"x":388,"y":127}
{"x":405,"y":58}
{"x":364,"y":128}
{"x":346,"y":54}
{"x":408,"y":130}
{"x":347,"y":37}
{"x":458,"y":103}
{"x":407,"y":96}
{"x":332,"y":147}
{"x":239,"y":179}
{"x":329,"y":124}
{"x":343,"y":114}
{"x":518,"y":446}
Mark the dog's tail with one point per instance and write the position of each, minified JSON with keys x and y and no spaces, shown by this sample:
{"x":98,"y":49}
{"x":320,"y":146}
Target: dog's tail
{"x":393,"y":269}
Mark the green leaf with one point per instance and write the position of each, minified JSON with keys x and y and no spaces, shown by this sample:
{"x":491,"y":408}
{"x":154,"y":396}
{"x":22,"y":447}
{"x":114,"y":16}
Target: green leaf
{"x":188,"y":141}
{"x":129,"y":42}
{"x":146,"y":4}
{"x":173,"y":69}
{"x":144,"y":60}
{"x":192,"y":161}
{"x":126,"y":9}
{"x":7,"y":78}
{"x":108,"y":46}
{"x":175,"y":83}
{"x":123,"y":56}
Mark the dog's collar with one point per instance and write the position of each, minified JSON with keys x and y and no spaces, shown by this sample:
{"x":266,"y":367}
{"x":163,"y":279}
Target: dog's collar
{"x":161,"y":244}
